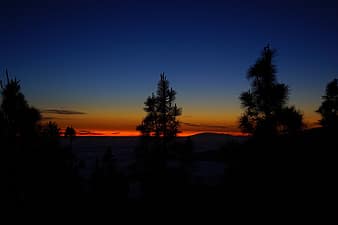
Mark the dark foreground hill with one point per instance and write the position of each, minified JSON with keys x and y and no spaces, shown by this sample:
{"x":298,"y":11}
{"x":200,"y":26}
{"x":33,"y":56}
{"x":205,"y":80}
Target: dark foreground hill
{"x":292,"y":177}
{"x":286,"y":179}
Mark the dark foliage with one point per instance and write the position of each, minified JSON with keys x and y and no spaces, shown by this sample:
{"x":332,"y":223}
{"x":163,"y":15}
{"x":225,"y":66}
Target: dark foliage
{"x":265,"y":107}
{"x":161,"y":110}
{"x":329,"y":107}
{"x":37,"y":171}
{"x":18,"y":118}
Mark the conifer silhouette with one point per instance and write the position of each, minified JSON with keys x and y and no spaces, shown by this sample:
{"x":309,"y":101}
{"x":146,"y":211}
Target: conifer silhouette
{"x":161,"y":110}
{"x":265,"y":107}
{"x":18,"y":118}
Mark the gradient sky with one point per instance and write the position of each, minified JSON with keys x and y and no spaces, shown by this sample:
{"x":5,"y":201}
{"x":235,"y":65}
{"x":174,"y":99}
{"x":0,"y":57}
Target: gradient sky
{"x":91,"y":64}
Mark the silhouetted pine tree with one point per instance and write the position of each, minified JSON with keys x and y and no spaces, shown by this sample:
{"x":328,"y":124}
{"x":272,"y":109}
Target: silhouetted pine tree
{"x":329,"y":107}
{"x":161,"y":110}
{"x":265,"y":103}
{"x":18,"y":117}
{"x":161,"y":123}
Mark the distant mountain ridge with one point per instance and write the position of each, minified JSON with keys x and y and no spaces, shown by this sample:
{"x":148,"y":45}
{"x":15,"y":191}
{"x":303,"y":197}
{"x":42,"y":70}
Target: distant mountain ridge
{"x":212,"y":134}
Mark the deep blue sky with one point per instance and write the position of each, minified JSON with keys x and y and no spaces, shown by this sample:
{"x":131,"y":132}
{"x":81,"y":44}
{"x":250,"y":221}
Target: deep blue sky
{"x":104,"y":57}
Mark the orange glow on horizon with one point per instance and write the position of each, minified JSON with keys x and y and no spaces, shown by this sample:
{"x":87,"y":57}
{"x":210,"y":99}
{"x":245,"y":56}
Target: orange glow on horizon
{"x":101,"y":126}
{"x":126,"y":133}
{"x":123,"y":122}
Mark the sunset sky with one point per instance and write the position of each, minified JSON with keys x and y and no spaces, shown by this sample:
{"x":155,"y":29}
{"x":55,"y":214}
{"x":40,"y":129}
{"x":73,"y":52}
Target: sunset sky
{"x":91,"y":64}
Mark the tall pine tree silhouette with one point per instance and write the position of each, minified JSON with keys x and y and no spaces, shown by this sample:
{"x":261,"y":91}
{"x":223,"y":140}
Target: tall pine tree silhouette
{"x":161,"y":110}
{"x":265,"y":107}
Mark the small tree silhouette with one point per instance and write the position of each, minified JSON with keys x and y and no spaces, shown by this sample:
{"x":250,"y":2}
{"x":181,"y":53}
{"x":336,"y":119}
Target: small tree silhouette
{"x":161,"y":110}
{"x":329,"y":107}
{"x":51,"y":133}
{"x":51,"y":130}
{"x":71,"y":133}
{"x":265,"y":103}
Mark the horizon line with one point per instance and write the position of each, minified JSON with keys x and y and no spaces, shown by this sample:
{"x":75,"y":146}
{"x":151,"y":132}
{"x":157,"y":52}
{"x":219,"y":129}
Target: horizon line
{"x":110,"y":133}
